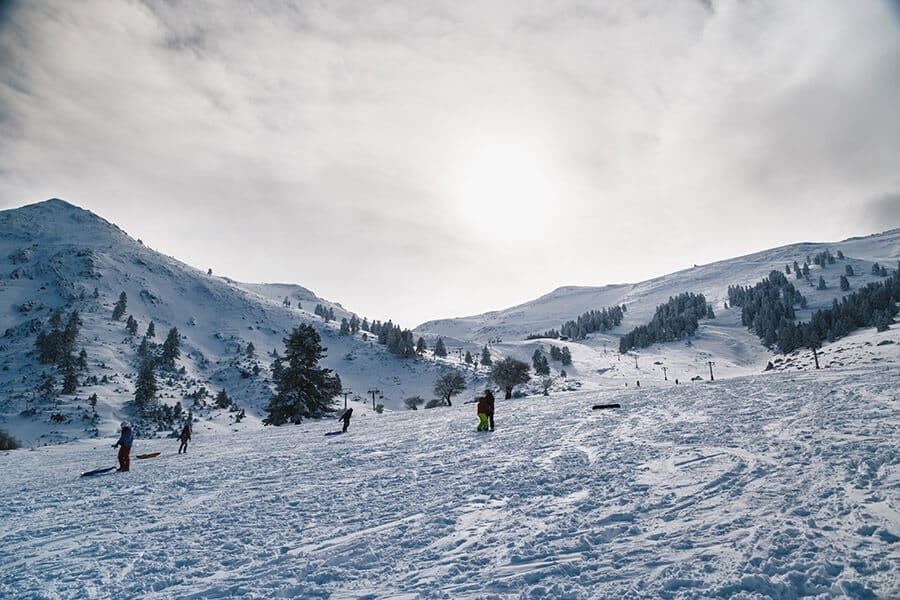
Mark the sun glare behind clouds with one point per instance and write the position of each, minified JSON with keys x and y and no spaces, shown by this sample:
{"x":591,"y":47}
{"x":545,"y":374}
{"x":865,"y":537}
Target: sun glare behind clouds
{"x":506,"y":192}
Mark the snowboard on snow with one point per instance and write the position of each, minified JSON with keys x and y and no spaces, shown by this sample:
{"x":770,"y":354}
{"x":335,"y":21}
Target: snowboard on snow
{"x":335,"y":432}
{"x":148,"y":455}
{"x":97,"y":472}
{"x":601,"y":406}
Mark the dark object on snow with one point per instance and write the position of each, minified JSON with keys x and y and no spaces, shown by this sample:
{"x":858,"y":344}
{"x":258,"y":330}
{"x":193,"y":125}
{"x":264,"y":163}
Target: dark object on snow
{"x":489,"y":397}
{"x":696,"y":378}
{"x":334,"y":433}
{"x":148,"y":455}
{"x":185,"y":437}
{"x":601,"y":406}
{"x":346,"y":418}
{"x":97,"y":471}
{"x":769,"y":366}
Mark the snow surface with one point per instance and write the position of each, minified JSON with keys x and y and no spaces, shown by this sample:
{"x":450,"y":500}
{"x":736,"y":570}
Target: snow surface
{"x":776,"y":485}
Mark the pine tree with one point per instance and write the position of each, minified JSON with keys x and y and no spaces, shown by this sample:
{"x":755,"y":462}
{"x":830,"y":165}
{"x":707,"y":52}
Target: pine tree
{"x":469,"y":359}
{"x":821,"y":285}
{"x":222,"y":399}
{"x":509,"y":373}
{"x":439,"y":349}
{"x":539,"y":363}
{"x":251,"y":349}
{"x":151,"y":330}
{"x":566,"y":356}
{"x":421,"y":346}
{"x":845,"y":284}
{"x":345,"y":326}
{"x":145,"y":387}
{"x":303,"y":389}
{"x":47,"y":387}
{"x":131,"y":325}
{"x":486,"y":360}
{"x":171,"y":349}
{"x":70,"y":377}
{"x":120,"y":307}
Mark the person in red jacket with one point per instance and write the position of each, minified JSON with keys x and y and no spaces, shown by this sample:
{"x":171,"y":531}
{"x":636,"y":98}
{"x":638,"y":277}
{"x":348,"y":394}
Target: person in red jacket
{"x":483,"y":411}
{"x":124,"y":444}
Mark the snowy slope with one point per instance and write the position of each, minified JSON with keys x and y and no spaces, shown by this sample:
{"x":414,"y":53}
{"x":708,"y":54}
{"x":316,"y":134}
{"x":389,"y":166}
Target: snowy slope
{"x":778,"y":485}
{"x":54,"y":255}
{"x":723,"y":340}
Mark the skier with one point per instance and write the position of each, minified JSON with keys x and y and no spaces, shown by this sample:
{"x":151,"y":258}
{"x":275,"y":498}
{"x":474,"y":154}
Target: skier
{"x":126,"y":439}
{"x":185,"y":437}
{"x":346,"y":418}
{"x":489,"y":396}
{"x":483,"y":410}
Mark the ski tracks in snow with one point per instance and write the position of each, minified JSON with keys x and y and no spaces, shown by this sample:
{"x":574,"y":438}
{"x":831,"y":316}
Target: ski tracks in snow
{"x":779,"y":486}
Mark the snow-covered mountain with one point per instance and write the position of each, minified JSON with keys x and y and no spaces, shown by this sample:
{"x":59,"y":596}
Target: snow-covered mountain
{"x":56,"y":256}
{"x":722,"y":340}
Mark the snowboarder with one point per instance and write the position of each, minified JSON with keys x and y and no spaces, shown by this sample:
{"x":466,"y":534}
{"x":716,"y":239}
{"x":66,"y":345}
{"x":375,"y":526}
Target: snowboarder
{"x":489,"y":396}
{"x":346,"y":419}
{"x":126,"y":439}
{"x":483,"y":410}
{"x":185,"y":437}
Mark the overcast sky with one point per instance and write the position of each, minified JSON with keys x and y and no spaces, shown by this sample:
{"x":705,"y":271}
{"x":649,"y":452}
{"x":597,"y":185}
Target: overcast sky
{"x":417,"y":160}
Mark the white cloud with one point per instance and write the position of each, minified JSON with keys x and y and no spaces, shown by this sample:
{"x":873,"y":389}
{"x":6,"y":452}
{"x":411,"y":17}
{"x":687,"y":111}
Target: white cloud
{"x":339,"y":132}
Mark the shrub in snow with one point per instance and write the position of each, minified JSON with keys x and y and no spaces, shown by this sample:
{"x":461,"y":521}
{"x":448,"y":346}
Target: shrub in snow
{"x":413,"y":402}
{"x":7,"y":442}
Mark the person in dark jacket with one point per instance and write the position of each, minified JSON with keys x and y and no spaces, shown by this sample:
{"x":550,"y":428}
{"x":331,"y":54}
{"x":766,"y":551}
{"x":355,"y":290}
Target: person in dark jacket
{"x":346,"y":418}
{"x":489,"y":396}
{"x":185,"y":437}
{"x":483,"y":409}
{"x":126,"y":439}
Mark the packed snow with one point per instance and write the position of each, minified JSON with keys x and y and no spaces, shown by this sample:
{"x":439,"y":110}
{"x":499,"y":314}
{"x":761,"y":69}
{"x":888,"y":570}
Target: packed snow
{"x":779,"y":485}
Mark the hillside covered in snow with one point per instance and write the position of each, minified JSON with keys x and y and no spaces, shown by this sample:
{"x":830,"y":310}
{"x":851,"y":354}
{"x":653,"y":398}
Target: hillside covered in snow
{"x":57,"y":259}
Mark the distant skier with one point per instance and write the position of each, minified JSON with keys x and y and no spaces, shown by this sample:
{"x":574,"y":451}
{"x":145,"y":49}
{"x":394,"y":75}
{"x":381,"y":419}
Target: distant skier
{"x":346,"y":419}
{"x":489,"y":396}
{"x":126,"y":439}
{"x":185,"y":437}
{"x":483,"y":410}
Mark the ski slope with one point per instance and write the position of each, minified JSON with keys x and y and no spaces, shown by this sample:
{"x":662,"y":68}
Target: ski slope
{"x":776,"y":485}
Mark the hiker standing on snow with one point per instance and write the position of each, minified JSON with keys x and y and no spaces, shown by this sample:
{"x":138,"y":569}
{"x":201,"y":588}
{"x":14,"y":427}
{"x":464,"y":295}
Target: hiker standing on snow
{"x":483,"y":409}
{"x":185,"y":437}
{"x":489,"y":397}
{"x":126,"y":439}
{"x":346,"y":418}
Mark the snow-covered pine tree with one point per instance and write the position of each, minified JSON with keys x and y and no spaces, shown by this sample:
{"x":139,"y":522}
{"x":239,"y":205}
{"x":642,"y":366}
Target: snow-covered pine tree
{"x":486,"y":360}
{"x":145,"y":387}
{"x":171,"y":349}
{"x":303,"y":389}
{"x":121,"y":306}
